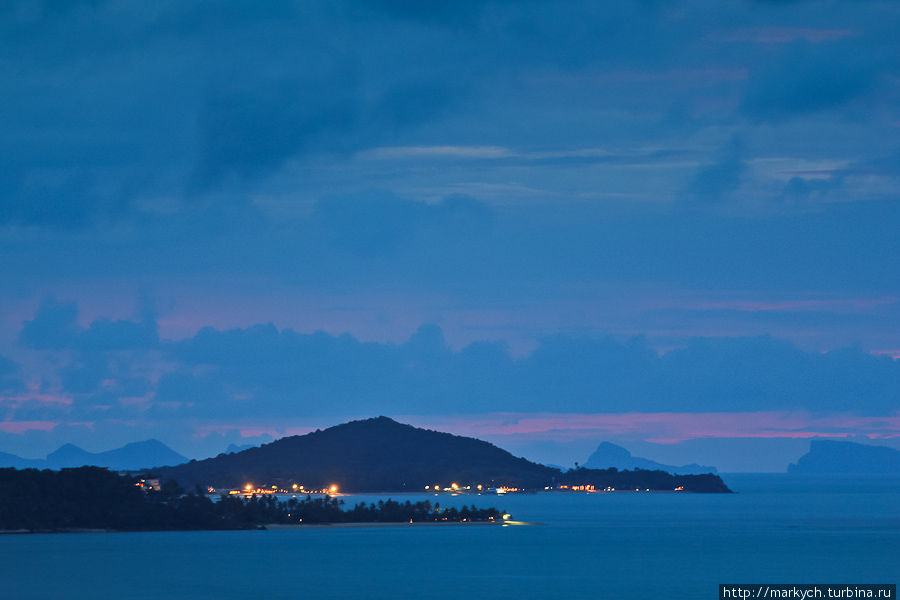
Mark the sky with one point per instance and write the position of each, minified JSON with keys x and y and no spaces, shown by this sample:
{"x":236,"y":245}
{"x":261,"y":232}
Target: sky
{"x":671,"y":225}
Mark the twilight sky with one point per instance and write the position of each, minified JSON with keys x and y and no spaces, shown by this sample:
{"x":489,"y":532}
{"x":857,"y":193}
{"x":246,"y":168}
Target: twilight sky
{"x":667,"y":224}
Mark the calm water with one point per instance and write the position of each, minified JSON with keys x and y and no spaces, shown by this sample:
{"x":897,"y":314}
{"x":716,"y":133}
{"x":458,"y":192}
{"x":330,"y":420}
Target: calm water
{"x":777,"y":529}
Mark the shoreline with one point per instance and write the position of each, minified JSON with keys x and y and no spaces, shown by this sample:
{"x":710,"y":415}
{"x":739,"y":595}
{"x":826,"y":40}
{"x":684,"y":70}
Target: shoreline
{"x":280,"y":527}
{"x":299,"y":526}
{"x":271,"y":527}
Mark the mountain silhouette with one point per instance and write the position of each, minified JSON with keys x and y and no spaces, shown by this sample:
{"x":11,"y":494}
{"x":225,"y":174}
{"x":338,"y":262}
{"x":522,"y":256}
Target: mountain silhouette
{"x":130,"y":457}
{"x":17,"y":462}
{"x":831,"y":456}
{"x":608,"y":455}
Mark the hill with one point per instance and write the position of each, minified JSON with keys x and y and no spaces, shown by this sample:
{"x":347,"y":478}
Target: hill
{"x":17,"y":462}
{"x":610,"y":455}
{"x":377,"y":454}
{"x":833,"y":457}
{"x":380,"y":454}
{"x":130,"y":457}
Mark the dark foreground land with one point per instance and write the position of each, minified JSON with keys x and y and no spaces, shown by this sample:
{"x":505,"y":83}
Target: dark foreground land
{"x":93,"y":498}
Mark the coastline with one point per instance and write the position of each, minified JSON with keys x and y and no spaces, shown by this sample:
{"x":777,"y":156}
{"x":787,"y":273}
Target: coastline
{"x":284,"y":526}
{"x":299,"y":526}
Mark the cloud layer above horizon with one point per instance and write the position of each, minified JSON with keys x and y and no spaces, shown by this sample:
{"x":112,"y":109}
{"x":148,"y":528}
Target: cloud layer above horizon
{"x":216,"y":213}
{"x":261,"y":380}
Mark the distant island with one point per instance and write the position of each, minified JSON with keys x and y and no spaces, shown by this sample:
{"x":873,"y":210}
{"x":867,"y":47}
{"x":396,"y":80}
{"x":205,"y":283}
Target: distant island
{"x":840,"y":457}
{"x":610,"y":455}
{"x":130,"y":457}
{"x":382,"y":455}
{"x":93,"y":498}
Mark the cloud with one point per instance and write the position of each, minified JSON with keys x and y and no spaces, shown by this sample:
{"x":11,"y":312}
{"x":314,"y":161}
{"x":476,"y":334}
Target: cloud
{"x":10,"y":376}
{"x":713,"y":182}
{"x":282,"y":372}
{"x":812,"y":191}
{"x":602,"y":148}
{"x":667,"y":427}
{"x":104,"y":368}
{"x":474,"y":152}
{"x":372,"y":224}
{"x":463,"y":12}
{"x":85,"y":373}
{"x":115,"y":107}
{"x":55,"y":326}
{"x":784,"y":35}
{"x":104,"y":334}
{"x":184,"y":394}
{"x":248,"y":133}
{"x":808,"y":78}
{"x":262,"y":374}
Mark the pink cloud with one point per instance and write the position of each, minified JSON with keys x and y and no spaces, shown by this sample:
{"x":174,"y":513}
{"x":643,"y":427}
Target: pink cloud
{"x":20,"y":427}
{"x":251,"y":430}
{"x":35,"y":397}
{"x":662,"y":427}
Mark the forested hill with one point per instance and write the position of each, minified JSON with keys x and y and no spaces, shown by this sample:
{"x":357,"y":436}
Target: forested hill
{"x":380,"y":454}
{"x":377,"y":454}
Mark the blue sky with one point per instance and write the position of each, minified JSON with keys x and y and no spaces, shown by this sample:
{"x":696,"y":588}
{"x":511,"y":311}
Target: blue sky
{"x":666,"y":224}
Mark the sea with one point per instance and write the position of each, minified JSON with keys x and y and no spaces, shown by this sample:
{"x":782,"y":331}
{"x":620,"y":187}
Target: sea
{"x":774,"y":529}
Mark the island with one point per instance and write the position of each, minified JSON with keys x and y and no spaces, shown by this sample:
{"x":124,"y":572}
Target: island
{"x":295,"y":480}
{"x":96,"y":499}
{"x":834,"y":457}
{"x":381,"y":455}
{"x":608,"y":455}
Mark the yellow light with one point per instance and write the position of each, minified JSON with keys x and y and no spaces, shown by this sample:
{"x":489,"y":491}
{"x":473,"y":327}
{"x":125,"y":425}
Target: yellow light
{"x":248,"y":487}
{"x":454,"y":486}
{"x":506,"y":516}
{"x":479,"y":486}
{"x":294,"y":486}
{"x":427,"y":487}
{"x":333,"y":489}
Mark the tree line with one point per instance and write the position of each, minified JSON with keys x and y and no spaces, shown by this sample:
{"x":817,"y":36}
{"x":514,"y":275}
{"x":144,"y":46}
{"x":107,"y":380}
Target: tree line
{"x":96,"y":498}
